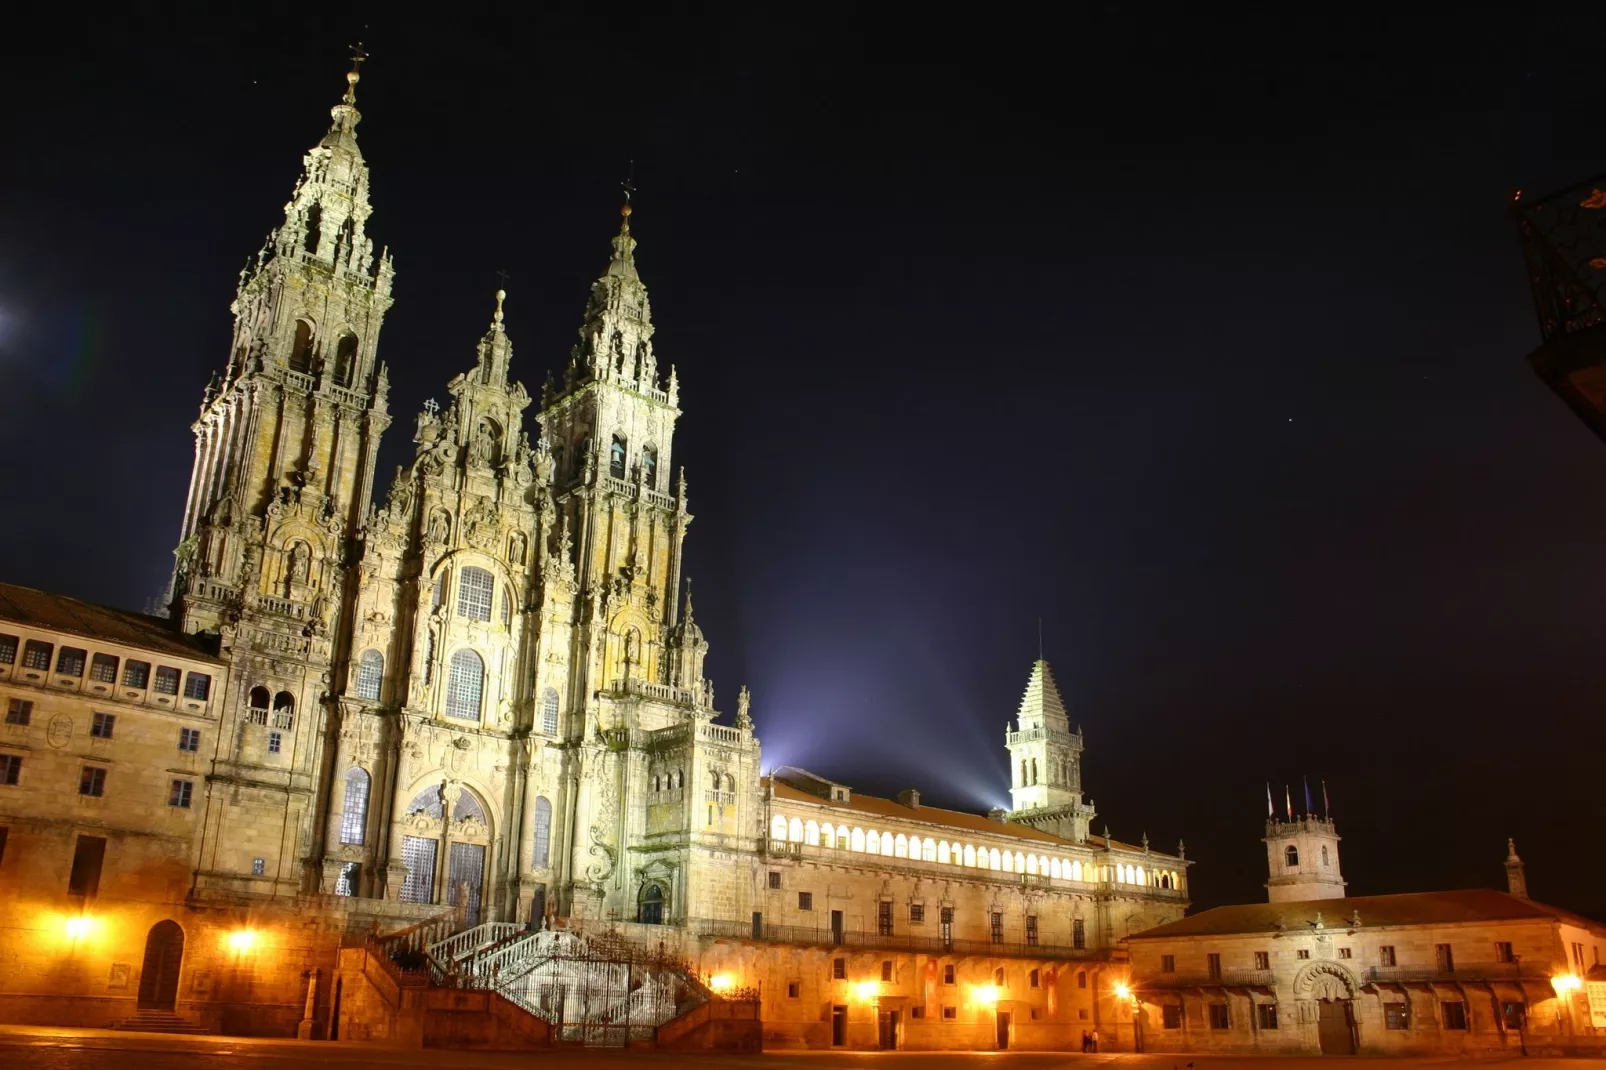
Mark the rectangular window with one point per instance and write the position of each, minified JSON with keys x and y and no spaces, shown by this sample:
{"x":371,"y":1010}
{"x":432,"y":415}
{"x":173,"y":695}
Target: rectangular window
{"x":1213,"y":966}
{"x":197,"y":685}
{"x":948,"y":974}
{"x":886,"y":970}
{"x":36,"y":655}
{"x":1385,"y":955}
{"x":8,"y":650}
{"x":1171,"y":1015}
{"x":1302,"y":953}
{"x":1263,"y":960}
{"x":1078,"y":933}
{"x":917,"y":1012}
{"x":70,"y":662}
{"x":1515,"y":1015}
{"x":87,"y":856}
{"x":995,"y":928}
{"x":166,"y":680}
{"x":92,"y":781}
{"x":946,"y":917}
{"x":1502,"y":951}
{"x":917,"y":912}
{"x":1266,"y":1015}
{"x":1168,"y":964}
{"x":19,"y":711}
{"x":1344,"y":953}
{"x":883,"y":922}
{"x":179,"y":794}
{"x":10,"y":769}
{"x":1396,"y":1016}
{"x":259,"y":867}
{"x":775,"y":879}
{"x":1446,"y":960}
{"x":793,"y":989}
{"x":103,"y":725}
{"x":1219,"y":1017}
{"x":1031,"y":928}
{"x":1455,"y":1014}
{"x":950,"y":1013}
{"x":805,"y":900}
{"x":839,"y":969}
{"x":1578,"y":958}
{"x":275,"y":742}
{"x":137,"y":674}
{"x":1034,"y":979}
{"x":103,"y":669}
{"x":189,"y":739}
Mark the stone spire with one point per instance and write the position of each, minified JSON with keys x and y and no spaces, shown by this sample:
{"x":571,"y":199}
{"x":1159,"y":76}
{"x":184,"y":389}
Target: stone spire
{"x":616,"y":336}
{"x":1516,"y":872}
{"x":1041,"y":705}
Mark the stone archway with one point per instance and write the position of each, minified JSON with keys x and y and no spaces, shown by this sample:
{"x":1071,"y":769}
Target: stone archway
{"x":164,"y":955}
{"x":1331,"y":990}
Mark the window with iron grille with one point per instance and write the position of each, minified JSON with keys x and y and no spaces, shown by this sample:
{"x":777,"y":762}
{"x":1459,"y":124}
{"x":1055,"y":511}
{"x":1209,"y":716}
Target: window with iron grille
{"x":948,"y":974}
{"x":92,"y":781}
{"x":1266,"y":1015}
{"x":197,"y":685}
{"x":1262,"y":960}
{"x":1213,"y":966}
{"x":103,"y":725}
{"x":354,"y":810}
{"x":36,"y":655}
{"x":1385,"y":955}
{"x":418,"y":855}
{"x":70,"y":662}
{"x":166,"y":680}
{"x":178,"y":794}
{"x":259,"y":867}
{"x":8,"y":650}
{"x":103,"y":669}
{"x":19,"y":711}
{"x":189,"y":739}
{"x":1034,"y":979}
{"x":541,"y":848}
{"x":474,"y":587}
{"x":549,"y":711}
{"x":1031,"y":928}
{"x":1502,"y":951}
{"x":883,"y":920}
{"x":1171,"y":1016}
{"x":917,"y":912}
{"x":996,"y":928}
{"x":1078,"y":933}
{"x":947,"y":922}
{"x":805,"y":900}
{"x":275,"y":742}
{"x":1219,"y":1017}
{"x":1345,"y":953}
{"x":10,"y":768}
{"x":839,"y":969}
{"x":464,"y":685}
{"x":346,"y":883}
{"x":370,"y":674}
{"x":886,"y":970}
{"x":1396,"y":1016}
{"x":1302,"y":953}
{"x":137,"y":674}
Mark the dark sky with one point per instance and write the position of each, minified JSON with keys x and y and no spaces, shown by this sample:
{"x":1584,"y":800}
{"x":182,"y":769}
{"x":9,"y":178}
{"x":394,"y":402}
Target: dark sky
{"x":1201,"y":339}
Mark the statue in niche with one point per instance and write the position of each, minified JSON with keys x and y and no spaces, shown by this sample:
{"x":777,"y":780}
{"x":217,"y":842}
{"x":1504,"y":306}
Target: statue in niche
{"x":300,"y":563}
{"x":483,"y":451}
{"x":744,"y":702}
{"x":439,"y":526}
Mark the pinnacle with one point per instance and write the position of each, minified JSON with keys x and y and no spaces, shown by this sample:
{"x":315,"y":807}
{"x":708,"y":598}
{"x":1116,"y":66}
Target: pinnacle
{"x":1042,"y":702}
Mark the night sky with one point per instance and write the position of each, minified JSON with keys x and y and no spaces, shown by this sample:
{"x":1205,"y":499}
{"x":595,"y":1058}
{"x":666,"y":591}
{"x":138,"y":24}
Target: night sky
{"x":1201,"y":340}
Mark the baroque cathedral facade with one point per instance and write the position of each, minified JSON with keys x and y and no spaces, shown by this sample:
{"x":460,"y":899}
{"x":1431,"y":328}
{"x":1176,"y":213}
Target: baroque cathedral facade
{"x":496,"y":661}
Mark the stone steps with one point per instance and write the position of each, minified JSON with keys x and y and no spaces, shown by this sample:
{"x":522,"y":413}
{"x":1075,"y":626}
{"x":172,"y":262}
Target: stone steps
{"x":149,"y":1021}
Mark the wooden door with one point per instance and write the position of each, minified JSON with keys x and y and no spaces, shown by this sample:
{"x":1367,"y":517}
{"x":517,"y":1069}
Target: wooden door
{"x":1003,"y":1030}
{"x":1333,"y":1027}
{"x":164,"y":954}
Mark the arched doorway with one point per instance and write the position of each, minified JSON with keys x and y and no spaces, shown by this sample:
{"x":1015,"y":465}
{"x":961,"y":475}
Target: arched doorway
{"x":1332,"y":988}
{"x":164,"y":954}
{"x":462,"y":842}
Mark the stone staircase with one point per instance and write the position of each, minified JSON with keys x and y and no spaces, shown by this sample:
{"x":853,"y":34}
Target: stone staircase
{"x":153,"y":1021}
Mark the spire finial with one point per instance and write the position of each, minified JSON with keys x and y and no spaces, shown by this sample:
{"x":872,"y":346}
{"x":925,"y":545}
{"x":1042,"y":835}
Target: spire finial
{"x":629,"y":188}
{"x":688,"y":598}
{"x":358,"y":54}
{"x":1039,"y":637}
{"x":501,"y":295}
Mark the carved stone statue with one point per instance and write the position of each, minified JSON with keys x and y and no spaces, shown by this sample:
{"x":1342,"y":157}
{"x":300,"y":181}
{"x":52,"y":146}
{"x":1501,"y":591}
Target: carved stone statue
{"x":483,"y":451}
{"x":300,"y":563}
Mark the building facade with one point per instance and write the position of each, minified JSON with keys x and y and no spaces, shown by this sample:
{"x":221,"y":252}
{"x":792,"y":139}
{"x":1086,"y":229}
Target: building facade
{"x":485,"y":693}
{"x":1312,"y":971}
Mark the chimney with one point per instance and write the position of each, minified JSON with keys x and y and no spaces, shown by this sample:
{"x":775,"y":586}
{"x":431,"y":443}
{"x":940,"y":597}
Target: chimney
{"x":1516,"y":874}
{"x":910,"y":798}
{"x":996,"y":813}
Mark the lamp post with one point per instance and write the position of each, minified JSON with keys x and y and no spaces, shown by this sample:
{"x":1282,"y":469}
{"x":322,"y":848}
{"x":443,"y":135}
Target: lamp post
{"x":1126,"y":994}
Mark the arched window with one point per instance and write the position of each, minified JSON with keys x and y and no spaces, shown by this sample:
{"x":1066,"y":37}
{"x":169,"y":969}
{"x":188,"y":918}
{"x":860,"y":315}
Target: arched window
{"x":354,"y":815}
{"x":777,"y":827}
{"x":714,"y":781}
{"x":652,"y":905}
{"x":301,"y":348}
{"x":541,"y":849}
{"x":259,"y":698}
{"x":1031,"y":864}
{"x":1025,"y":773}
{"x":346,"y":360}
{"x":1009,"y":862}
{"x":464,"y":686}
{"x":582,"y":456}
{"x":616,"y":458}
{"x":857,"y":839}
{"x":942,"y":852}
{"x":928,"y":850}
{"x":507,"y":608}
{"x":843,"y":839}
{"x":828,"y":835}
{"x":314,"y":236}
{"x":370,"y":674}
{"x":794,"y":830}
{"x":474,"y":588}
{"x":438,"y":594}
{"x":649,"y":467}
{"x":811,"y":833}
{"x":284,"y":710}
{"x":1034,"y":771}
{"x":549,"y":711}
{"x":1291,"y":856}
{"x":730,"y":782}
{"x":872,"y":842}
{"x":970,"y":855}
{"x":900,"y":849}
{"x":1324,"y":854}
{"x":992,"y":859}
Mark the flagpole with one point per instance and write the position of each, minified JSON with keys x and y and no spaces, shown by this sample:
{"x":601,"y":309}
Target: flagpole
{"x":1288,"y":801}
{"x":1327,"y":810}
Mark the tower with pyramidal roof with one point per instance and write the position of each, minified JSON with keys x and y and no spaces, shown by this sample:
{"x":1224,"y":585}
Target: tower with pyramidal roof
{"x":1045,"y":759}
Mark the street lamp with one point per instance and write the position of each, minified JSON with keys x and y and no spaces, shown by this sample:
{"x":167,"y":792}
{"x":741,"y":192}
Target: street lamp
{"x":1125,"y":993}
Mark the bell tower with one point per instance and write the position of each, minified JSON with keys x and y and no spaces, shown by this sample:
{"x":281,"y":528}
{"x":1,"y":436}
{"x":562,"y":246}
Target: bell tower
{"x":1045,"y":759}
{"x":1302,"y":857}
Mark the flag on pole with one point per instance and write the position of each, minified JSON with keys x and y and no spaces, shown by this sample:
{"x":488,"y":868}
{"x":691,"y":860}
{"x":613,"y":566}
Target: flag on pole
{"x":1309,"y":807}
{"x":1288,"y":801}
{"x":1271,"y":811}
{"x":1327,"y":810}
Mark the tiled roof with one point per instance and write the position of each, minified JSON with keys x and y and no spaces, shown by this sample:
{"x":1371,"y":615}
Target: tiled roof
{"x":41,"y":609}
{"x":1408,"y":908}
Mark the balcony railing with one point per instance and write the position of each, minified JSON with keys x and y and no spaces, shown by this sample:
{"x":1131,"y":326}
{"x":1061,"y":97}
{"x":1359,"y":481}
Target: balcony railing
{"x":661,"y":692}
{"x":936,"y":945}
{"x":1219,"y":979}
{"x":1564,"y":241}
{"x":1461,"y":971}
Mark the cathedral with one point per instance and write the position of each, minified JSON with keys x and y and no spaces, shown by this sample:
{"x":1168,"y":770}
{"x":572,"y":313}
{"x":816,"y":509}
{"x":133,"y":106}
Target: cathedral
{"x":478,"y":694}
